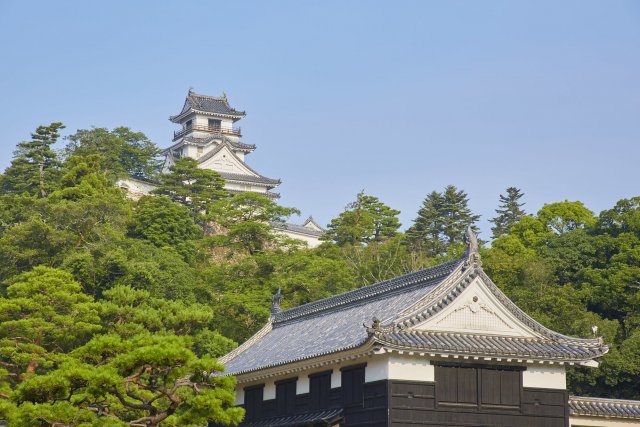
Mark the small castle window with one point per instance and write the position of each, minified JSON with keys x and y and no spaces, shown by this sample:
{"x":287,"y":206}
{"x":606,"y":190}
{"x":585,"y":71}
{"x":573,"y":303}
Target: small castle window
{"x":188,"y":124}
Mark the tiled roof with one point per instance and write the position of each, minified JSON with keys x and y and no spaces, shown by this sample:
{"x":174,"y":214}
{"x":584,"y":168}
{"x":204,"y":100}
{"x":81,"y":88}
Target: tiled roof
{"x":250,"y":178}
{"x":204,"y":141}
{"x":268,"y":194}
{"x":296,"y":228}
{"x":324,"y":417}
{"x":598,"y":407}
{"x":460,"y":343}
{"x":334,"y":324}
{"x":313,"y":223}
{"x":207,"y":104}
{"x":258,"y":179}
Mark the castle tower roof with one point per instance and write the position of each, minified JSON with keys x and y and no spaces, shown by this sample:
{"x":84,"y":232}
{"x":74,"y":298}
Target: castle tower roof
{"x":205,"y":104}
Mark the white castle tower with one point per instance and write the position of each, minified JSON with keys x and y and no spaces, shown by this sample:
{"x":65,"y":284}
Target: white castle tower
{"x":208,"y":135}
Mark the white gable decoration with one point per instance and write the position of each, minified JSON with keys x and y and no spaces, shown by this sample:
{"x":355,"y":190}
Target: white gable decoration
{"x":476,"y":310}
{"x":226,"y":161}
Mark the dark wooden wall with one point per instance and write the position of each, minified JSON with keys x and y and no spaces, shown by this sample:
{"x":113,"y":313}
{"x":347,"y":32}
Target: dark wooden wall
{"x":462,"y":396}
{"x":414,"y":404}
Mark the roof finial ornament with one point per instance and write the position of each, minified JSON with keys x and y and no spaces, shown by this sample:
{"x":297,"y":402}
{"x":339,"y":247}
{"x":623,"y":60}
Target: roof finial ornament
{"x":275,"y":302}
{"x":190,"y":89}
{"x":224,"y":95}
{"x":471,"y":239}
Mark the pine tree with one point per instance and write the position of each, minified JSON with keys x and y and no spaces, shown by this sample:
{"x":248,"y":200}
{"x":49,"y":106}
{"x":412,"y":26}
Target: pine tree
{"x":509,"y":212}
{"x":35,"y":167}
{"x":365,"y":220}
{"x":428,"y":226}
{"x":122,"y":151}
{"x":442,"y":221}
{"x":456,"y":215}
{"x":192,"y":186}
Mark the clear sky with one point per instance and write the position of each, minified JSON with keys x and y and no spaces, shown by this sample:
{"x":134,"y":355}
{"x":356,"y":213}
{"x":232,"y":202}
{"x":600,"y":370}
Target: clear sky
{"x":398,"y":98}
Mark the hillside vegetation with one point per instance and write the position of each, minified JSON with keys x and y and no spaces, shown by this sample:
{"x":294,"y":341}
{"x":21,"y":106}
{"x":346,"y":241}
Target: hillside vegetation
{"x":112,"y":310}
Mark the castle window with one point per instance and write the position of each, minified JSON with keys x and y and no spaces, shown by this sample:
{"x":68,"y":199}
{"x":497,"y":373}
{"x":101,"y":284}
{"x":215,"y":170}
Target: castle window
{"x":188,"y":124}
{"x":320,"y":390}
{"x":286,"y":396}
{"x":478,"y":386}
{"x":353,"y":385}
{"x":253,"y":402}
{"x":214,"y":123}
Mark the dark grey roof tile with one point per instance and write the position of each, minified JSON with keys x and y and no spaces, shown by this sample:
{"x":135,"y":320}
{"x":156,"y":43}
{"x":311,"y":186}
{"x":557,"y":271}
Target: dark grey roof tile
{"x":599,"y":407}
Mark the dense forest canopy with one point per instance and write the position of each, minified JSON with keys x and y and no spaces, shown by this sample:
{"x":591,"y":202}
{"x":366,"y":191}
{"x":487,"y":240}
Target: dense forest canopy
{"x":111,"y":309}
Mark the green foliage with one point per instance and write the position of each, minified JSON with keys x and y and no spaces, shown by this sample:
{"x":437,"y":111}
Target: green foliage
{"x":570,"y":270}
{"x":103,"y":296}
{"x":191,"y":186}
{"x":165,"y":223}
{"x":509,"y":212}
{"x":566,"y":216}
{"x":246,"y":218}
{"x":44,"y":315}
{"x":35,"y":166}
{"x":441,"y":222}
{"x":122,"y":151}
{"x":146,"y":379}
{"x":365,"y":220}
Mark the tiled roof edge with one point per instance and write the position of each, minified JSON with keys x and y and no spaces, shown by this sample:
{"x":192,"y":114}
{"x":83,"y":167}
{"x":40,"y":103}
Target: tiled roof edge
{"x":601,"y":407}
{"x":404,"y":281}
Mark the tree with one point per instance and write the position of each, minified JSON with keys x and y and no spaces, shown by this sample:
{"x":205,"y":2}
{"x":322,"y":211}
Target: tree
{"x":509,"y":212}
{"x":428,"y":227}
{"x":145,"y":380}
{"x":246,"y":218}
{"x":192,"y":186}
{"x":565,"y":216}
{"x":165,"y":223}
{"x":122,"y":151}
{"x":365,"y":220}
{"x":442,"y":221}
{"x":44,"y":315}
{"x":35,"y":167}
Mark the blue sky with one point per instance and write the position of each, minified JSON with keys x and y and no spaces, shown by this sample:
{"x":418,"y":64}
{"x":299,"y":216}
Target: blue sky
{"x":396,"y":98}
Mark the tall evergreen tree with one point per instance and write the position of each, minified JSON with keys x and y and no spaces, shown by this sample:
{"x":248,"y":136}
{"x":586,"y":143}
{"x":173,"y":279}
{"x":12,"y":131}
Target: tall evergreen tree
{"x":123,"y":151}
{"x":365,"y":220}
{"x":35,"y":167}
{"x":509,"y":212}
{"x":442,"y":221}
{"x":456,"y":215}
{"x":192,"y":186}
{"x":427,"y":227}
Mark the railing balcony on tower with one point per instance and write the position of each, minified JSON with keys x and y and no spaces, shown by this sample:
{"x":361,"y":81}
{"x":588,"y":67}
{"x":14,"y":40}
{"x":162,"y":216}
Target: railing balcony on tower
{"x":216,"y":130}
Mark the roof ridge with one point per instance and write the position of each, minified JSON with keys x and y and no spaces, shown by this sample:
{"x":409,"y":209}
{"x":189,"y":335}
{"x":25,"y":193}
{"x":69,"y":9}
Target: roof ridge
{"x":217,"y":98}
{"x":605,"y":399}
{"x":368,"y":291}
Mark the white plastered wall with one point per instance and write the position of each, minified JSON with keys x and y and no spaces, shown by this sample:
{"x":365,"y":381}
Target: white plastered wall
{"x":409,"y":368}
{"x":545,"y":377}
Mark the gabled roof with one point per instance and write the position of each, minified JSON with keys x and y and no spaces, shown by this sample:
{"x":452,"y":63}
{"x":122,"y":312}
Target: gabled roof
{"x":215,"y":105}
{"x":251,"y":177}
{"x":599,"y":407}
{"x":332,"y":324}
{"x":401,"y":308}
{"x":212,"y":139}
{"x":269,"y":182}
{"x":296,"y":228}
{"x":311,"y":223}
